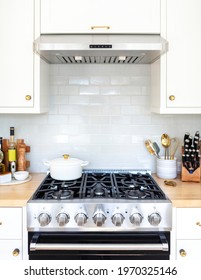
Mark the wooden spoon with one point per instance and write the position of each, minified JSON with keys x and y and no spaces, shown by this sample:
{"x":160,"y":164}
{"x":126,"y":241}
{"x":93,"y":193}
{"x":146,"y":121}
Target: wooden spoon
{"x":173,"y":146}
{"x":165,"y":141}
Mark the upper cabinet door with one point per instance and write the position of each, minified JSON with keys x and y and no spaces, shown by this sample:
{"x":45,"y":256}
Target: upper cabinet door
{"x":16,"y":54}
{"x":95,"y":16}
{"x":184,"y":55}
{"x":176,"y":85}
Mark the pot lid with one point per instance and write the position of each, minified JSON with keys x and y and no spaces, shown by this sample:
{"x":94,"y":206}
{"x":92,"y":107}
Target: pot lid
{"x":67,"y":161}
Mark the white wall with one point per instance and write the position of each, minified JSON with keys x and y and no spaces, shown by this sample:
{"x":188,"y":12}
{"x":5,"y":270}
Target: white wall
{"x":99,"y":113}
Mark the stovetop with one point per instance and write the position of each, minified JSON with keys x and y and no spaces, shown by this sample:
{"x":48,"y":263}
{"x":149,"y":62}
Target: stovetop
{"x":100,"y":200}
{"x":101,"y":184}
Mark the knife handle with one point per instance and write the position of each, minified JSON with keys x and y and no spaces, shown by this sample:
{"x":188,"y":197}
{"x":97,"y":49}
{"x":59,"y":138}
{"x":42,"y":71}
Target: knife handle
{"x":190,"y":140}
{"x":186,"y":136}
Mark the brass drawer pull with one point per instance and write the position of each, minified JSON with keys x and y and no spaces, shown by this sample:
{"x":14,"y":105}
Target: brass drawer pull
{"x":182,"y":252}
{"x":172,"y":97}
{"x":0,"y":223}
{"x":16,"y":252}
{"x":28,"y":97}
{"x":198,"y":224}
{"x":100,"y":27}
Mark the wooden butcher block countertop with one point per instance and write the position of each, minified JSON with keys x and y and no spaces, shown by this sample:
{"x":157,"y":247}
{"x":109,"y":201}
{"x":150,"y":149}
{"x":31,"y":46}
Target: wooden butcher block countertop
{"x":185,"y":194}
{"x":18,"y":195}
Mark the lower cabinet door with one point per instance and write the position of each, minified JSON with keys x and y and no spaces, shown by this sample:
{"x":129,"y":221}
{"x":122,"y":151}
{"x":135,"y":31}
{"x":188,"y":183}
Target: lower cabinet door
{"x":10,"y":249}
{"x":188,"y":249}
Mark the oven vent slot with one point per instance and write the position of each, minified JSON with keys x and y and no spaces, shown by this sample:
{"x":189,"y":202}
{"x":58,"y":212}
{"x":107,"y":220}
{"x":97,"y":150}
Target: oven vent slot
{"x":99,"y":59}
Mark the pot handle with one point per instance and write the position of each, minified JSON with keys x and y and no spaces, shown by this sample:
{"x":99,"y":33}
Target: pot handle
{"x":47,"y":163}
{"x":84,"y":163}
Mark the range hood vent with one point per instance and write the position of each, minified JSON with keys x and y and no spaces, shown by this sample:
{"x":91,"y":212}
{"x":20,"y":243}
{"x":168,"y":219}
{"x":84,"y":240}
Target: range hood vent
{"x":100,"y":49}
{"x":98,"y":59}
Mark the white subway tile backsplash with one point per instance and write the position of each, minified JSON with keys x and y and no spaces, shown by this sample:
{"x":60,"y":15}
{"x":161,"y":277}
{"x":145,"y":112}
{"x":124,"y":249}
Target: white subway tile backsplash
{"x":99,"y":113}
{"x":120,"y":100}
{"x":109,"y":90}
{"x":89,"y":90}
{"x":78,"y":80}
{"x":68,"y":90}
{"x":121,"y":80}
{"x":130,"y":90}
{"x":100,"y":80}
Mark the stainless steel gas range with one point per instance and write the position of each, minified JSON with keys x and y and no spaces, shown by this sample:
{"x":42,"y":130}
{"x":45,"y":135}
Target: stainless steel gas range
{"x":105,"y":214}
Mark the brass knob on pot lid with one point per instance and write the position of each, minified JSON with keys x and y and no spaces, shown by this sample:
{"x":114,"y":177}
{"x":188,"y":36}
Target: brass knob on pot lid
{"x":16,"y":252}
{"x":66,"y":156}
{"x":172,"y":97}
{"x":182,"y":253}
{"x":28,"y":97}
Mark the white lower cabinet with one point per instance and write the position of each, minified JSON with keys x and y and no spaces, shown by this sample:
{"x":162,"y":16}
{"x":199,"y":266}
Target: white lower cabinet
{"x":11,"y":233}
{"x":188,"y":233}
{"x":188,"y":249}
{"x":10,"y":249}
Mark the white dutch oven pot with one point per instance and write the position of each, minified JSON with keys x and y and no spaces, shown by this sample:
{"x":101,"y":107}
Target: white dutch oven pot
{"x":66,"y":168}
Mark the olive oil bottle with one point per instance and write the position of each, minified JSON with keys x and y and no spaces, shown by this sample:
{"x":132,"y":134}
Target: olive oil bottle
{"x":2,"y":166}
{"x":12,"y":151}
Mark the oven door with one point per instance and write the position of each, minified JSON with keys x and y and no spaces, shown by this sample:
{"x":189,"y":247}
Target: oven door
{"x":102,"y":245}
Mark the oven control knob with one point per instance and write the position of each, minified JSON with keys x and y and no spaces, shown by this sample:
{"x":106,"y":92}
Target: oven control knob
{"x":81,"y":219}
{"x":117,"y":219}
{"x":62,"y":219}
{"x":44,"y":219}
{"x":99,"y":218}
{"x":136,"y":219}
{"x":154,"y":219}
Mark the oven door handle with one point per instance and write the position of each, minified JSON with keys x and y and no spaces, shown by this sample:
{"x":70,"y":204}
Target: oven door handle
{"x":163,"y":246}
{"x":97,"y":247}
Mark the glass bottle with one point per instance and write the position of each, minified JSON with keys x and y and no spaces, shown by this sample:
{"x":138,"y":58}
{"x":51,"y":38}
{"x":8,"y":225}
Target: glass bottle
{"x":2,"y":166}
{"x":12,"y":151}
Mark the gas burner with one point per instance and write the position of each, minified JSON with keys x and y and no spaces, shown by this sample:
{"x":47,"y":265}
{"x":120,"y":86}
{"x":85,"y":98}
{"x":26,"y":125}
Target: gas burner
{"x":99,"y":190}
{"x":135,"y":194}
{"x":62,"y":194}
{"x":129,"y":182}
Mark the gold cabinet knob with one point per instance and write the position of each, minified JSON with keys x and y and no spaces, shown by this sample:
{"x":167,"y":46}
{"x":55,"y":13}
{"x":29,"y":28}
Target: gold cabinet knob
{"x":172,"y":97}
{"x":198,"y":224}
{"x":182,"y":253}
{"x":0,"y":223}
{"x":28,"y":97}
{"x":16,"y":252}
{"x":100,"y":27}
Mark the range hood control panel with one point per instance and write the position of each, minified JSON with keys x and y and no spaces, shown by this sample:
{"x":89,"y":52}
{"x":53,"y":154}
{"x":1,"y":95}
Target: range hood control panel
{"x":100,"y":46}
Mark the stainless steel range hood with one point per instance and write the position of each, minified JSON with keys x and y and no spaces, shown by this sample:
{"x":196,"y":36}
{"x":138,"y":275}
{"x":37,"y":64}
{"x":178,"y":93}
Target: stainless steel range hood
{"x":106,"y":49}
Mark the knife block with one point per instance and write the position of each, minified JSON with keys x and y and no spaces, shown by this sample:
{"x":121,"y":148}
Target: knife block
{"x":188,"y":177}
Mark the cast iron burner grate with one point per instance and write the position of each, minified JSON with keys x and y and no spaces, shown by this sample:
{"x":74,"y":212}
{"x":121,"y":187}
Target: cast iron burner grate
{"x":109,"y":185}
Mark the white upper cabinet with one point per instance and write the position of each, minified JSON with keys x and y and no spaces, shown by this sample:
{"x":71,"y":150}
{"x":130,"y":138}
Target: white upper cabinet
{"x":176,"y":83}
{"x":16,"y":53}
{"x":19,"y":92}
{"x":95,"y":16}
